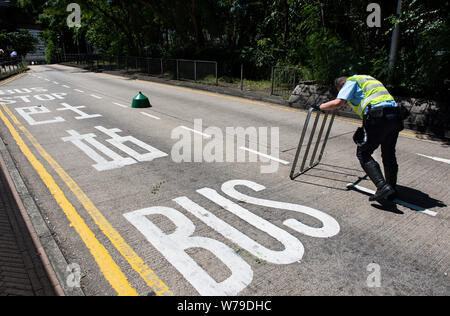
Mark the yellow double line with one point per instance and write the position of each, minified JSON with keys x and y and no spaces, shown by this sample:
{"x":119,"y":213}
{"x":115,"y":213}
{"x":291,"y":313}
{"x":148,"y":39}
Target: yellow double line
{"x":112,"y":272}
{"x":15,"y":77}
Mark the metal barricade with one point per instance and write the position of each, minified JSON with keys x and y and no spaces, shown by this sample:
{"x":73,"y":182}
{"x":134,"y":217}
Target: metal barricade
{"x":312,"y":162}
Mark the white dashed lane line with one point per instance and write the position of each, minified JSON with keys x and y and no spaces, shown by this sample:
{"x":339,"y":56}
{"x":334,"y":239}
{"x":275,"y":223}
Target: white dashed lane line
{"x":78,"y":90}
{"x":151,"y":116}
{"x":265,"y":156}
{"x":121,"y":105}
{"x":96,"y":96}
{"x":196,"y":132}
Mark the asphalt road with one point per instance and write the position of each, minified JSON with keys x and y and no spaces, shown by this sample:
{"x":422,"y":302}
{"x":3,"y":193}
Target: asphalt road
{"x":169,"y":201}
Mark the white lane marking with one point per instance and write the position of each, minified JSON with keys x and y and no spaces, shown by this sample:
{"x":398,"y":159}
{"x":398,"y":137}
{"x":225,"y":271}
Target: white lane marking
{"x":47,"y":79}
{"x":55,"y":82}
{"x":96,"y":96}
{"x":437,"y":159}
{"x":196,"y":132}
{"x":121,"y":105}
{"x":149,"y":115}
{"x":78,"y":90}
{"x":397,"y":201}
{"x":264,"y":155}
{"x":66,"y":86}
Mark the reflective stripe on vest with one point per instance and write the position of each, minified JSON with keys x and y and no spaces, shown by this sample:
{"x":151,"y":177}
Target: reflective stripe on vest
{"x":374,"y":92}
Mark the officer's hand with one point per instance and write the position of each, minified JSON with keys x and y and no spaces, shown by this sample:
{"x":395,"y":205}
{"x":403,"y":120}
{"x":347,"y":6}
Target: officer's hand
{"x":316,"y":106}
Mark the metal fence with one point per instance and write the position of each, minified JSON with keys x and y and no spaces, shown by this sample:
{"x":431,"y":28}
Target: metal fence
{"x":179,"y":69}
{"x":11,"y":66}
{"x":285,"y":79}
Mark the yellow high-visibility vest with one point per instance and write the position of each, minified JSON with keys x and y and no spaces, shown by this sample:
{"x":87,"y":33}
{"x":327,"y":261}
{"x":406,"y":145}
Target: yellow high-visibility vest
{"x":374,"y":93}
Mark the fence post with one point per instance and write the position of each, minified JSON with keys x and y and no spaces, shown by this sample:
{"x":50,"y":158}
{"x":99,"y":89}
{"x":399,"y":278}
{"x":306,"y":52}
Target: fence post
{"x":217,"y":77}
{"x":178,"y":71}
{"x":295,"y":79}
{"x":273,"y":79}
{"x":195,"y":70}
{"x":242,"y":77}
{"x":162,"y":67}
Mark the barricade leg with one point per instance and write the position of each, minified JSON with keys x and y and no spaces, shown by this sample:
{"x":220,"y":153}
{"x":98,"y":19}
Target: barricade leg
{"x":304,"y":167}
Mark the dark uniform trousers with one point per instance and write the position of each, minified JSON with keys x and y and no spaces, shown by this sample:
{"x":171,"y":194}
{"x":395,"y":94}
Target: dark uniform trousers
{"x":382,"y":132}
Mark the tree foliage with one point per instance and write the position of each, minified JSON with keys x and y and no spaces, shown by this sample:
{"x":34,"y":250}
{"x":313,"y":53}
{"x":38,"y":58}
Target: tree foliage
{"x":23,"y":42}
{"x":324,"y":38}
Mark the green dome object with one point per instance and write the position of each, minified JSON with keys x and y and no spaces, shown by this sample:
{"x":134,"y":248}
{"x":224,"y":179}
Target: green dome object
{"x":140,"y":102}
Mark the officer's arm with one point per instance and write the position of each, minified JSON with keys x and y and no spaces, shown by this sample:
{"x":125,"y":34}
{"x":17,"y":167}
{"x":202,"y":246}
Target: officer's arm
{"x":333,"y":105}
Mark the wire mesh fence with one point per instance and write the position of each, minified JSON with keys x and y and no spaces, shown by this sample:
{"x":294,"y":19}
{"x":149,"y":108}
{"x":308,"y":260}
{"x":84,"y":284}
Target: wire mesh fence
{"x":284,"y":80}
{"x":11,"y":66}
{"x":178,"y":69}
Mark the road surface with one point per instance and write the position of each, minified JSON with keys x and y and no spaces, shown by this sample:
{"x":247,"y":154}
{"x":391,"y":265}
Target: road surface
{"x":193,"y":195}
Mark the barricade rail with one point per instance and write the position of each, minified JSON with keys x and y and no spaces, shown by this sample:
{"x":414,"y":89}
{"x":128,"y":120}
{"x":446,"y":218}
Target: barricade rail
{"x":313,"y":162}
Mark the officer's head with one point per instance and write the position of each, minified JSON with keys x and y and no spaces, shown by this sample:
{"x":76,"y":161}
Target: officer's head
{"x":340,"y":82}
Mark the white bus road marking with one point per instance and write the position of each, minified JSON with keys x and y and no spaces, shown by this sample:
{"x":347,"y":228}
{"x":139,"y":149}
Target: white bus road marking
{"x":196,"y":132}
{"x":117,"y":141}
{"x":173,"y":246}
{"x":397,"y":201}
{"x":437,"y":159}
{"x":75,"y":109}
{"x":27,"y":112}
{"x":149,"y":115}
{"x":265,"y":156}
{"x":96,"y":96}
{"x":102,"y":164}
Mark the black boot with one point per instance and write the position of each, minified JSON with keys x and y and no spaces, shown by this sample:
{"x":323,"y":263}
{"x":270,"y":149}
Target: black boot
{"x":384,"y":191}
{"x":391,"y":179}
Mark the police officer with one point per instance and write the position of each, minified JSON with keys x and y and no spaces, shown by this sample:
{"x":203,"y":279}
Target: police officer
{"x":382,"y":124}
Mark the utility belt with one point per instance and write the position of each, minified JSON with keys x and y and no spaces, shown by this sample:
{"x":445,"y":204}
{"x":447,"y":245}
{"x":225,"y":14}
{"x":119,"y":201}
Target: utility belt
{"x":381,"y":114}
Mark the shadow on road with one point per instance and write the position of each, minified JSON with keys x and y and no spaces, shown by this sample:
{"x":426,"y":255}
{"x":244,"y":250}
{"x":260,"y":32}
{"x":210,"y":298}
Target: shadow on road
{"x":412,"y":196}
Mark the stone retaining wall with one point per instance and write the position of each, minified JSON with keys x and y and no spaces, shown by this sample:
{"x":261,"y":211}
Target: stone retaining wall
{"x":429,"y":117}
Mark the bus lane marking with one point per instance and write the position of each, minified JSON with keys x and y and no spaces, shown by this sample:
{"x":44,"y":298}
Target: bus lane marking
{"x":147,"y":274}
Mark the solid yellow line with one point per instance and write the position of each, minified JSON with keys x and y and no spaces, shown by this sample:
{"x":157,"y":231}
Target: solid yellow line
{"x":108,"y":267}
{"x":15,"y":77}
{"x":149,"y":276}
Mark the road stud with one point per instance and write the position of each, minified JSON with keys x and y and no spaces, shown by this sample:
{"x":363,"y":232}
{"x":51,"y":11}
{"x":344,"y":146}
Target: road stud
{"x":140,"y":102}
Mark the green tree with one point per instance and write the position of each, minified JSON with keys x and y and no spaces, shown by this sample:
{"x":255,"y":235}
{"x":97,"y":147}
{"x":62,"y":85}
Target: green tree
{"x":23,"y":42}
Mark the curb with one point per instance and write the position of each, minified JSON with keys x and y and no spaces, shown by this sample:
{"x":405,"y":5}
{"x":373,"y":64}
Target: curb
{"x":11,"y":75}
{"x":52,"y":258}
{"x":212,"y":88}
